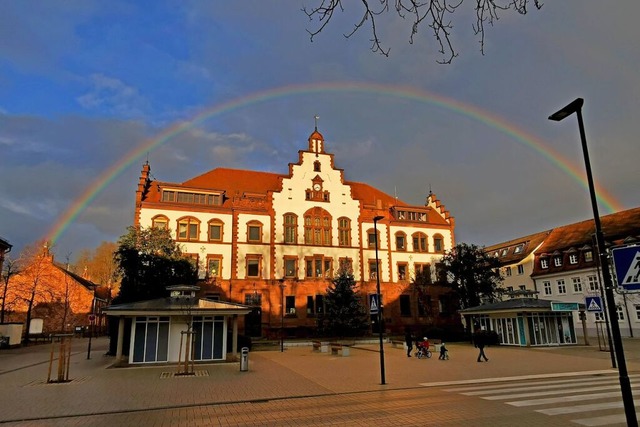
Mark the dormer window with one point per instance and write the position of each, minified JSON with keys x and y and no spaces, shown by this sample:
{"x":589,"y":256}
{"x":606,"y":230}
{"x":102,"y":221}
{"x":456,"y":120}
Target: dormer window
{"x":518,"y":249}
{"x":544,"y":263}
{"x":588,"y":256}
{"x":573,"y":258}
{"x":504,"y":252}
{"x":557,"y":261}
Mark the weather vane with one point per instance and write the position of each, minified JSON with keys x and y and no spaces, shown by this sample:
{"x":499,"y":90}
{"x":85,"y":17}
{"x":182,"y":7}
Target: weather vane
{"x":316,"y":117}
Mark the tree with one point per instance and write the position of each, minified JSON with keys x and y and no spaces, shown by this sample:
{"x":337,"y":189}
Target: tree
{"x":421,"y":282}
{"x":149,"y":260}
{"x":346,"y":315}
{"x":10,"y":270}
{"x":434,"y":14}
{"x":100,"y":265}
{"x":473,"y":274}
{"x":37,"y":278}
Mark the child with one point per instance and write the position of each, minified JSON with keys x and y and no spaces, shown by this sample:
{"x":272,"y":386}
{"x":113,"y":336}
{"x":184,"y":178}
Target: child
{"x":444,"y":353}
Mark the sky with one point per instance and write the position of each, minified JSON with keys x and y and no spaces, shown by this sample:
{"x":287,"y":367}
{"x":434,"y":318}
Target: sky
{"x":91,"y":90}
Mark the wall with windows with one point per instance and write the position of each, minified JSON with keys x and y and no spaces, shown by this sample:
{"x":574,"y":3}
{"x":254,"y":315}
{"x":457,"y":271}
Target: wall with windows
{"x":575,"y":286}
{"x":276,"y":241}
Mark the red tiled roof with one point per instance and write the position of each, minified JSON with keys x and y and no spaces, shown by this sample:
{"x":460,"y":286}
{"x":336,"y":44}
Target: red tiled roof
{"x":234,"y":182}
{"x":615,"y":227}
{"x":530,"y":243}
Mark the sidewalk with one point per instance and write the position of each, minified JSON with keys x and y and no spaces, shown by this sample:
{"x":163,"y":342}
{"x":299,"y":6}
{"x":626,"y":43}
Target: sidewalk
{"x":96,"y":389}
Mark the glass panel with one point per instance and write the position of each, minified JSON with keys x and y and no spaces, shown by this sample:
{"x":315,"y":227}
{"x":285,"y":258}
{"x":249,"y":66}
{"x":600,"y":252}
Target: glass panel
{"x":207,"y":341}
{"x":218,"y":343}
{"x":138,"y":343}
{"x":197,"y":346}
{"x":152,"y":342}
{"x":163,"y":342}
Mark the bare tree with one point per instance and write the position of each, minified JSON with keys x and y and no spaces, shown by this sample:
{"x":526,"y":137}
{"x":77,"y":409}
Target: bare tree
{"x":99,"y":265}
{"x":35,"y":278}
{"x":434,"y":14}
{"x":10,"y":270}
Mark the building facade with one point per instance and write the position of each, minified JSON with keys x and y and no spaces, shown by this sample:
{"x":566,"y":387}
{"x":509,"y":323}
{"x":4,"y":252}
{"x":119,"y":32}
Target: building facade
{"x":275,"y":241}
{"x":564,"y":266}
{"x":44,"y":289}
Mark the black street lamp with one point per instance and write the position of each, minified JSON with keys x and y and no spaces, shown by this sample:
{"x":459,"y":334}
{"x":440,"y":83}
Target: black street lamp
{"x":379,"y":297}
{"x":282,"y":286}
{"x":625,"y":385}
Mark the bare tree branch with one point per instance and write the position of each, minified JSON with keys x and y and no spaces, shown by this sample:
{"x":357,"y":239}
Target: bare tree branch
{"x":435,"y":14}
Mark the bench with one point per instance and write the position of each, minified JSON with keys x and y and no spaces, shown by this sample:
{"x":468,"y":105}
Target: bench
{"x":319,"y":346}
{"x":339,"y":349}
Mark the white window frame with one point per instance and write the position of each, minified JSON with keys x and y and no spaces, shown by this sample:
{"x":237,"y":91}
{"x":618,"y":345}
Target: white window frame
{"x":577,"y":285}
{"x":562,"y":287}
{"x":546,"y":286}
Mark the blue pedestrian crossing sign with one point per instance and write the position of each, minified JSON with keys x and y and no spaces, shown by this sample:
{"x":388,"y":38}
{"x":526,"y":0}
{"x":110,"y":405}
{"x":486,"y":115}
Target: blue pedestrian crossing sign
{"x":626,"y":261}
{"x":593,"y":304}
{"x":374,"y":304}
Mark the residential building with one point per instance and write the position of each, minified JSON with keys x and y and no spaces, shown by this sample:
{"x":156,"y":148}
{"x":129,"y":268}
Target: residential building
{"x":564,"y":266}
{"x":5,"y":248}
{"x":275,"y":241}
{"x":61,"y":298}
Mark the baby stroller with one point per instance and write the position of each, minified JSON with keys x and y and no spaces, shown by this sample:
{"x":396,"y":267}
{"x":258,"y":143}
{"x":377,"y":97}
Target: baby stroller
{"x":423,"y":349}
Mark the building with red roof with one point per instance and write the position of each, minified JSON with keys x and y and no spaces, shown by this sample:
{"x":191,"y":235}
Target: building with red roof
{"x":562,"y":265}
{"x":275,"y":241}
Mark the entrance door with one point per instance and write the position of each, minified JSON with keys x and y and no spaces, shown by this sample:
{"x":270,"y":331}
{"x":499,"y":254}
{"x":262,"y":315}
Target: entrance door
{"x":253,"y":323}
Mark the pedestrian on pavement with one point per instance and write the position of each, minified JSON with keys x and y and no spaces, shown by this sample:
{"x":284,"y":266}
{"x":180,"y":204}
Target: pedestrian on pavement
{"x":480,"y":340}
{"x":444,"y":353}
{"x":408,"y":340}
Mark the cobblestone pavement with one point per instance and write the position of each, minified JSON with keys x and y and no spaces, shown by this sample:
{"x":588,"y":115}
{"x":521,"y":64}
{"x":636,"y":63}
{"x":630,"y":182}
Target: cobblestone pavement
{"x":294,"y":387}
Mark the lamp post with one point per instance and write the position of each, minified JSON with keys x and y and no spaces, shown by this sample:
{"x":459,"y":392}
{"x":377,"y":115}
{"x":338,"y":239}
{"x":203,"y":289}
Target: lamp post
{"x":282,"y":315}
{"x":375,"y":227}
{"x":92,"y":317}
{"x":625,"y":385}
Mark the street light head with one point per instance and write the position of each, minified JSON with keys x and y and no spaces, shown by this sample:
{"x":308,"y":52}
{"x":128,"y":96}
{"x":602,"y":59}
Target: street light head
{"x":568,"y":110}
{"x":377,"y":218}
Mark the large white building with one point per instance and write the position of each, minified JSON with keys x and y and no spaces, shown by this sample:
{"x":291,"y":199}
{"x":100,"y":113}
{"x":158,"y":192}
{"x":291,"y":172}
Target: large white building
{"x":274,"y":241}
{"x":561,"y":264}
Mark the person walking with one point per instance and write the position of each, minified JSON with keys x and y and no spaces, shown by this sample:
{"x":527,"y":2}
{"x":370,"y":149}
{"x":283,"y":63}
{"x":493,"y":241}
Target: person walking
{"x":479,"y":340}
{"x":408,"y":340}
{"x":444,"y":354}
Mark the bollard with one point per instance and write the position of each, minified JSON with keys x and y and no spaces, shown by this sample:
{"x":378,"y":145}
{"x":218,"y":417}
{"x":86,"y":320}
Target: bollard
{"x":244,"y":359}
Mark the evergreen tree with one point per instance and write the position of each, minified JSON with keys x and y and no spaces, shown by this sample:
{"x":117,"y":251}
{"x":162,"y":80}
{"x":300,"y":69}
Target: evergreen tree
{"x":346,"y":315}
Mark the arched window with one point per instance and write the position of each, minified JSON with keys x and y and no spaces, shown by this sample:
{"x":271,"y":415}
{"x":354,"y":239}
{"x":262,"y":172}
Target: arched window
{"x":419,"y":242}
{"x":290,"y":228}
{"x":215,"y":230}
{"x":438,"y":243}
{"x":188,"y":229}
{"x":401,"y":241}
{"x":344,"y":231}
{"x":317,"y":227}
{"x":160,"y":221}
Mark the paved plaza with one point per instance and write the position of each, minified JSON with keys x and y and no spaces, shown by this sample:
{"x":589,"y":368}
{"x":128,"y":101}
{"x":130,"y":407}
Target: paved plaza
{"x":285,"y":388}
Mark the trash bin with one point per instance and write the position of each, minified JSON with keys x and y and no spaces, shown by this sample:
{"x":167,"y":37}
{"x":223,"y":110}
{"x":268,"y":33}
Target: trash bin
{"x":244,"y":359}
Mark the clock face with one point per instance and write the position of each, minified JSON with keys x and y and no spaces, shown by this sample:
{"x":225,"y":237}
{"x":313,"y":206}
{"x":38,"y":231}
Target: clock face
{"x":316,"y":187}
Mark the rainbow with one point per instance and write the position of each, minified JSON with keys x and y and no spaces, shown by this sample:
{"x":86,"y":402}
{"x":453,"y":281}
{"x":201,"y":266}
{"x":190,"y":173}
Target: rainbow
{"x":405,"y":92}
